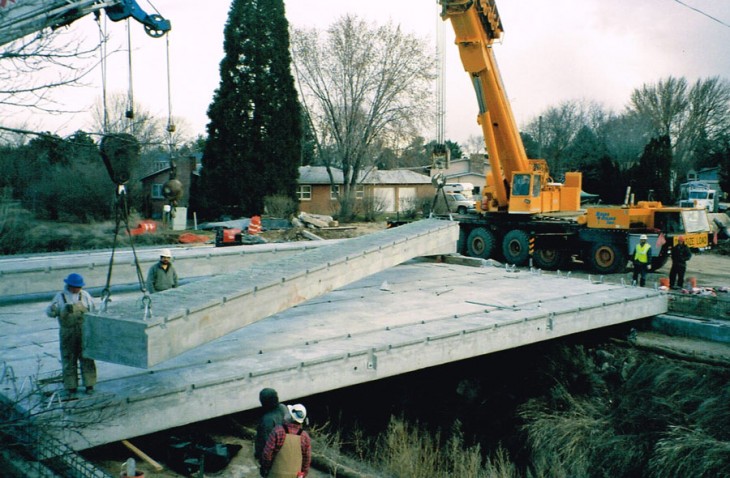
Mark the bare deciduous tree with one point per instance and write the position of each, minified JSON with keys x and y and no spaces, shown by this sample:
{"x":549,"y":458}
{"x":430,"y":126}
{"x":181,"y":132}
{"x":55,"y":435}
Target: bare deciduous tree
{"x":693,"y":117}
{"x":664,"y":104}
{"x":557,"y":127}
{"x":152,"y":132}
{"x":363,"y":87}
{"x":33,"y":66}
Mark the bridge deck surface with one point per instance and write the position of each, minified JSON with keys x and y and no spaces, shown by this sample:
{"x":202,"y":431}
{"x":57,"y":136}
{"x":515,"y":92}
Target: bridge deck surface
{"x":412,"y":316}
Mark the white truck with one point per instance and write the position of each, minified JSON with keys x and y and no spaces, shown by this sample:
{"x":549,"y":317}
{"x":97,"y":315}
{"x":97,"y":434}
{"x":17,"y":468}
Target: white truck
{"x":465,"y":189}
{"x":699,"y":194}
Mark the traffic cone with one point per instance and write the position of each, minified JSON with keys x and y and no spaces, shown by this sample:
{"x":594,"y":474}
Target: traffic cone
{"x":254,"y":226}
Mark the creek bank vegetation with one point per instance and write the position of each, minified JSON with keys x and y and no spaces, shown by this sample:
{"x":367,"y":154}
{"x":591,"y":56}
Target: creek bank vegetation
{"x":601,"y":410}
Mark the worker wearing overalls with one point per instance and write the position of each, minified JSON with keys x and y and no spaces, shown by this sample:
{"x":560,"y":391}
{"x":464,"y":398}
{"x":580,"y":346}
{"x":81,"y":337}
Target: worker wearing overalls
{"x":642,"y":255}
{"x":69,"y":306}
{"x":288,"y":450}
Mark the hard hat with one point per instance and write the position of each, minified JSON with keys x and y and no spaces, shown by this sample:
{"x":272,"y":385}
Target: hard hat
{"x":298,"y":412}
{"x":680,"y":239}
{"x":74,"y":280}
{"x":165,"y":253}
{"x":642,"y":237}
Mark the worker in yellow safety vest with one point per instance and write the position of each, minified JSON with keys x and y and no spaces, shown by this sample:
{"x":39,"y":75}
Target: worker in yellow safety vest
{"x":641,"y":258}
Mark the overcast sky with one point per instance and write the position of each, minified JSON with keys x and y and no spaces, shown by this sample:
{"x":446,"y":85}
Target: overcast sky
{"x":551,"y":52}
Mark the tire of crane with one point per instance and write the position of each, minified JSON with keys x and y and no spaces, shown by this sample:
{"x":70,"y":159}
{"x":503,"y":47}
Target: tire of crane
{"x":607,"y":258}
{"x":480,"y":243}
{"x":550,"y":259}
{"x":516,"y":247}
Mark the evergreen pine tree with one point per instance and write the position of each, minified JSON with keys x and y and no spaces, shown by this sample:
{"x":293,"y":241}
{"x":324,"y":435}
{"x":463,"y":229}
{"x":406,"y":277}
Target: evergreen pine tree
{"x":254,"y":134}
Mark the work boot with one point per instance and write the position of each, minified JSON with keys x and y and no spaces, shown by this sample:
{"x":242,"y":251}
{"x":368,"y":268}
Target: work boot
{"x":69,"y":394}
{"x":90,"y":389}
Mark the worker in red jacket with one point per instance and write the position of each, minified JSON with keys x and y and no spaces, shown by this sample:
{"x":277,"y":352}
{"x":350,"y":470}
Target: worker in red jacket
{"x":288,"y":450}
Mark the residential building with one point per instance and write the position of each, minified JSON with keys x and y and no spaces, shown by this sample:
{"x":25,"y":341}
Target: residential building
{"x":397,"y":190}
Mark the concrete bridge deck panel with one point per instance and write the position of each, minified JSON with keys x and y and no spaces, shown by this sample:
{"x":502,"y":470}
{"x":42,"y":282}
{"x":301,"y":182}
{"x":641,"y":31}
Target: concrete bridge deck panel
{"x":187,"y":317}
{"x":416,"y":315}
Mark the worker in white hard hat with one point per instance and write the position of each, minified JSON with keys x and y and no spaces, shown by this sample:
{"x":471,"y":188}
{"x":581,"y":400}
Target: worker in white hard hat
{"x":162,"y":275}
{"x":288,"y":450}
{"x":641,"y":258}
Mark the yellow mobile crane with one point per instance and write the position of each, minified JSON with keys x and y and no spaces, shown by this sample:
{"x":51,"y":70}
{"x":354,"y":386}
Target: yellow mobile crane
{"x":523,"y":212}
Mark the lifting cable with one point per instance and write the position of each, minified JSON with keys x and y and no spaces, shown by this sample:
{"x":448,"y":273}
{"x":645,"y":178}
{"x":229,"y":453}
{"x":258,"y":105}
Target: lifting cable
{"x":103,"y":64}
{"x":118,"y":152}
{"x":129,"y":113}
{"x":173,"y":188}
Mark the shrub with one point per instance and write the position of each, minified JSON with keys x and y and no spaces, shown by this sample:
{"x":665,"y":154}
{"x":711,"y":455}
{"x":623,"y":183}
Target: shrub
{"x":280,"y":206}
{"x":15,"y":225}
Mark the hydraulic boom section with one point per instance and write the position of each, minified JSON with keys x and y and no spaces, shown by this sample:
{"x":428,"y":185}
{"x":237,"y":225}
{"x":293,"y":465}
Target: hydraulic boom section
{"x":515,"y":184}
{"x":19,"y":18}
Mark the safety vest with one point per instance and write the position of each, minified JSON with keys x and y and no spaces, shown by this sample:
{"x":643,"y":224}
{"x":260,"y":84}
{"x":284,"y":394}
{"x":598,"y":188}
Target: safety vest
{"x":642,"y":253}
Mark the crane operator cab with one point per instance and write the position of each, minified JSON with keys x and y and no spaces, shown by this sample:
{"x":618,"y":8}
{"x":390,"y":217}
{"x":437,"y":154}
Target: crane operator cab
{"x":524,"y":196}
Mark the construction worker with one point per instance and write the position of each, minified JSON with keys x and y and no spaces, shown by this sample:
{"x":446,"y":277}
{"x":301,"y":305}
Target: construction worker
{"x":162,"y":275}
{"x":641,"y":258}
{"x":680,"y":255}
{"x":275,"y":413}
{"x":288,"y":450}
{"x":69,"y":306}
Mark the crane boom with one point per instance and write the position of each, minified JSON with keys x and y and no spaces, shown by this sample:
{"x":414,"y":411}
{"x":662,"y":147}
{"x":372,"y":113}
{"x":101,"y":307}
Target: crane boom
{"x":19,"y":18}
{"x":516,"y":184}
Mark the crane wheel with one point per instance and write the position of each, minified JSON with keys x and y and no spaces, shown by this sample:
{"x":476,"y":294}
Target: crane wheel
{"x":516,"y":247}
{"x":607,"y":258}
{"x":550,"y":259}
{"x":480,"y":243}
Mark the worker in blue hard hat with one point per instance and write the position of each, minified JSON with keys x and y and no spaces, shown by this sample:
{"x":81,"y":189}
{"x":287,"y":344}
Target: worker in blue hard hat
{"x":69,"y":306}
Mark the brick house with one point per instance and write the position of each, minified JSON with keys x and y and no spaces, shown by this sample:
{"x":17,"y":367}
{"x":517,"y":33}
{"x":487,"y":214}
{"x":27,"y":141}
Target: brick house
{"x":159,"y":173}
{"x":395,"y":190}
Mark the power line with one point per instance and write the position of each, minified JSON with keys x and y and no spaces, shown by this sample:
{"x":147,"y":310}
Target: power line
{"x":703,"y":13}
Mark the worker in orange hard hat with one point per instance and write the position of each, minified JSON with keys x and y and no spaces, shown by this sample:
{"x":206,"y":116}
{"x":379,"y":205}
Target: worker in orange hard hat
{"x":680,"y":255}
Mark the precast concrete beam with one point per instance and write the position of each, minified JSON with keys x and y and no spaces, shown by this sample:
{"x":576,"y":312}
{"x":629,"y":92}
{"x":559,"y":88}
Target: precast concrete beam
{"x":184,"y":318}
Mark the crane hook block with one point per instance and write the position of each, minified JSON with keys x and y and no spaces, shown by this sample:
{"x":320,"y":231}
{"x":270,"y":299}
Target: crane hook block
{"x":120,"y":153}
{"x":154,"y":25}
{"x":173,"y":190}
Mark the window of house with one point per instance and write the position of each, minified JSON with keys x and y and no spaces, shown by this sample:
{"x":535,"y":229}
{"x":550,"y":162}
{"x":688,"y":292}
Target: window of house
{"x":160,"y":165}
{"x":157,"y":191}
{"x":334,"y":192}
{"x":304,"y":192}
{"x":359,"y":191}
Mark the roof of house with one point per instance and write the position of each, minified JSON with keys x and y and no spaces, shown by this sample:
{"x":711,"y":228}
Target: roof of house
{"x":318,"y":175}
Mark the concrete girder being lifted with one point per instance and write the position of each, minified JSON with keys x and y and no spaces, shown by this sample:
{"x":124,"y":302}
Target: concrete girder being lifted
{"x":189,"y":316}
